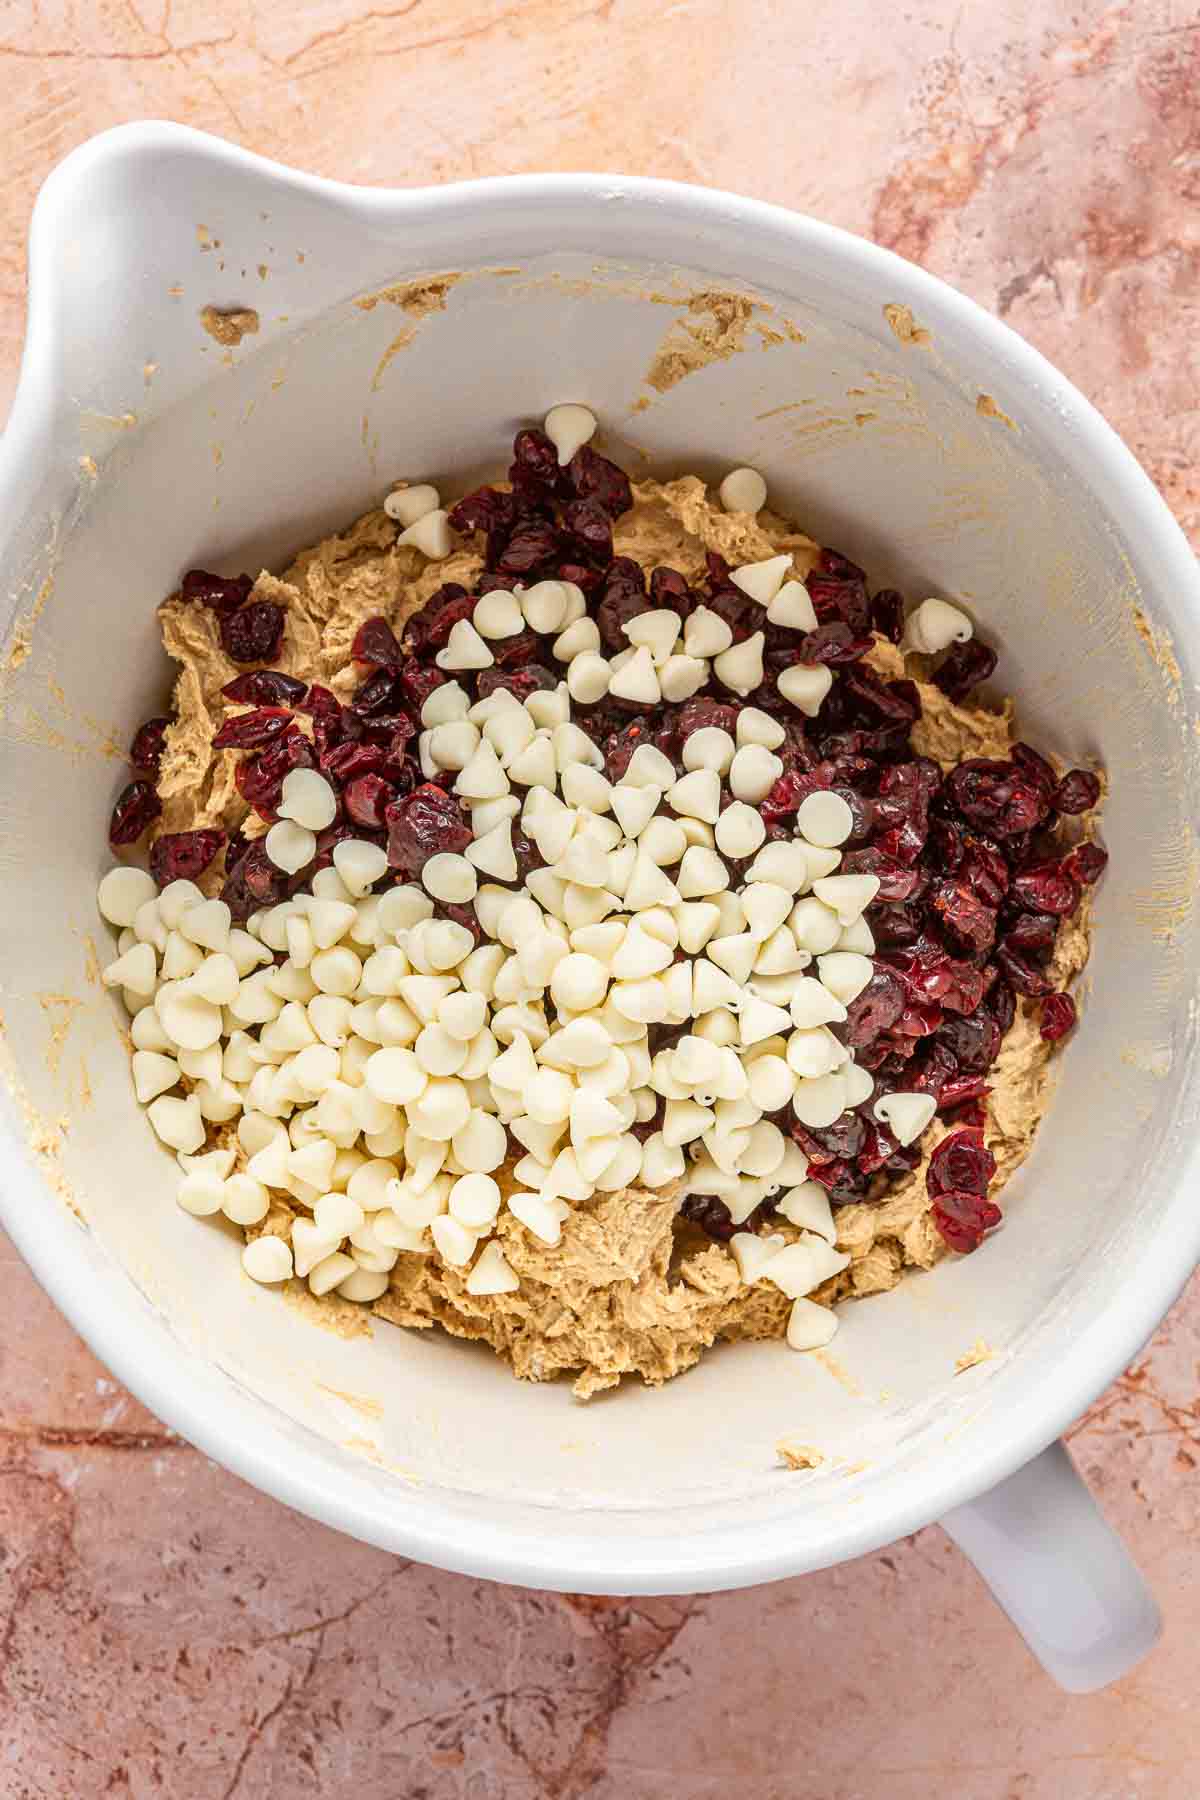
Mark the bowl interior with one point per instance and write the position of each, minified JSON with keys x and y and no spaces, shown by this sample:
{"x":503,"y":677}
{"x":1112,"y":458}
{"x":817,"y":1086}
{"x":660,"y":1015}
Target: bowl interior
{"x":873,"y":439}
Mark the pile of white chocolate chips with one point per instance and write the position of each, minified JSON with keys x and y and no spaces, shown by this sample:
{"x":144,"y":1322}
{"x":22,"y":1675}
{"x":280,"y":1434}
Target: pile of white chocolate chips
{"x":379,"y":1067}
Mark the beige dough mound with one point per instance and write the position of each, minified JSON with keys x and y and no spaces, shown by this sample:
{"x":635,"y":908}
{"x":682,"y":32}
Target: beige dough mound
{"x":631,"y":1288}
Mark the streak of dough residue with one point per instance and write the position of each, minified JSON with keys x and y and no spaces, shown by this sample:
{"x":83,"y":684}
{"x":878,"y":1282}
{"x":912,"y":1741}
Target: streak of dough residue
{"x":45,"y":1140}
{"x":1159,"y":647}
{"x":987,"y":408}
{"x":717,"y":327}
{"x":417,"y":298}
{"x":361,"y":1403}
{"x":980,"y":1352}
{"x":60,"y":1010}
{"x":401,"y":341}
{"x":904,"y":326}
{"x":22,"y":643}
{"x":841,"y":1375}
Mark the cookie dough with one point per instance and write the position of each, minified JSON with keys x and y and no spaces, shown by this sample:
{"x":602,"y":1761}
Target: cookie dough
{"x":631,"y":1288}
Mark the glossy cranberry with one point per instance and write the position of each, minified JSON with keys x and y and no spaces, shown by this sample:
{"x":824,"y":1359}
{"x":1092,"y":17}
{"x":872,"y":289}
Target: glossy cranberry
{"x":711,"y":1215}
{"x":784,"y":798}
{"x":319,"y":702}
{"x":622,"y":598}
{"x":895,"y":881}
{"x":486,"y":509}
{"x":259,"y":779}
{"x":589,"y":529}
{"x":535,"y":462}
{"x":137,"y":806}
{"x":878,"y":1146}
{"x":429,"y":628}
{"x":1032,"y":935}
{"x":149,"y":742}
{"x":1058,"y":1015}
{"x":224,"y":594}
{"x":517,"y":651}
{"x":743,"y":615}
{"x":669,"y":589}
{"x":183,"y":855}
{"x":840,"y":599}
{"x":905,"y":791}
{"x":1021,"y":974}
{"x":833,"y":644}
{"x":961,"y":1162}
{"x":377,"y":697}
{"x":254,"y":634}
{"x":932,"y":976}
{"x":973,"y":1040}
{"x":700,"y":713}
{"x":428,"y":822}
{"x":619,"y":748}
{"x":1046,"y":887}
{"x":963,"y":1218}
{"x":367,"y":799}
{"x":594,"y":477}
{"x":887,"y":613}
{"x":1033,"y":764}
{"x":1086,"y":863}
{"x":875,"y":1010}
{"x":265,"y":687}
{"x":965,"y":668}
{"x":532,"y":544}
{"x":255,"y":730}
{"x":963,"y":915}
{"x":983,"y":869}
{"x":1077,"y":792}
{"x":996,"y":797}
{"x":532,"y":679}
{"x":418,"y":681}
{"x":252,"y":881}
{"x":375,"y":642}
{"x":895,"y":700}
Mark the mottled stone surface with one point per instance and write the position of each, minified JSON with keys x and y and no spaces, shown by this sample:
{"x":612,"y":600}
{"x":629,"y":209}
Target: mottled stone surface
{"x":166,"y":1631}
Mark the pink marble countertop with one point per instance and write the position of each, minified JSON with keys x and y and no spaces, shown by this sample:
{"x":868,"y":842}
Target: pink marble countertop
{"x":165,"y":1630}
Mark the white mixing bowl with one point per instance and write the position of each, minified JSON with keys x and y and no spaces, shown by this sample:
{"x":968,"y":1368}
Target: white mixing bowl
{"x":137,"y":447}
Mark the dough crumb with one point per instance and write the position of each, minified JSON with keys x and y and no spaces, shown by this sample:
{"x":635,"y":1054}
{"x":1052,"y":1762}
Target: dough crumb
{"x":229,"y":328}
{"x":901,"y":320}
{"x":798,"y":1456}
{"x":980,"y":1352}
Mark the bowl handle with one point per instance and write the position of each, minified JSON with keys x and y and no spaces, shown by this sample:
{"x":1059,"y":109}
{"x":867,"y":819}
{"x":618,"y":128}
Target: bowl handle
{"x":1060,"y":1572}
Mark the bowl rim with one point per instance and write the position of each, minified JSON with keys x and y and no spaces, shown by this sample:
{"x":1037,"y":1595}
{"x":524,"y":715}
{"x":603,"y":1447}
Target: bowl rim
{"x":233,"y":1433}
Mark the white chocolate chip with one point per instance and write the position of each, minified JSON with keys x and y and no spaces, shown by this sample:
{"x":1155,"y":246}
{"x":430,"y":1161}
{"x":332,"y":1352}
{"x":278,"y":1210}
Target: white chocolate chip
{"x":805,"y":685}
{"x":705,"y":633}
{"x":430,"y":534}
{"x":741,"y":667}
{"x":569,"y":426}
{"x":762,"y":580}
{"x":753,"y":773}
{"x":408,"y":504}
{"x":934,"y":626}
{"x":308,"y":799}
{"x":122,"y":892}
{"x":743,"y":490}
{"x":810,"y":1326}
{"x":792,"y":608}
{"x":290,"y":847}
{"x":825,"y":819}
{"x":906,"y":1115}
{"x":465,"y":649}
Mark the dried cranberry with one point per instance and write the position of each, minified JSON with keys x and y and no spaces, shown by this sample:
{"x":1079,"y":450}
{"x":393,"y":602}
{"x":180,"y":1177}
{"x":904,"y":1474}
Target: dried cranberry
{"x":375,"y":642}
{"x":895,"y":881}
{"x":877,"y":1147}
{"x":1032,"y":934}
{"x":931,"y":976}
{"x":427,"y":822}
{"x":260,"y":779}
{"x":623,"y":598}
{"x":1077,"y":792}
{"x":377,"y":697}
{"x":138,"y":805}
{"x":743,"y":615}
{"x":514,"y":652}
{"x":996,"y":797}
{"x":711,"y":1215}
{"x":1001,"y":1005}
{"x":429,"y":628}
{"x":1033,"y":764}
{"x":961,"y":1162}
{"x":837,"y":598}
{"x":342,"y":762}
{"x":887,"y":613}
{"x":896,"y":700}
{"x":265,"y":687}
{"x":984,"y":869}
{"x":1047,"y":888}
{"x":319,"y":703}
{"x":875,"y":1010}
{"x":419,"y":680}
{"x":254,"y":634}
{"x":366,"y":800}
{"x":965,"y":668}
{"x":669,"y":589}
{"x":1086,"y":863}
{"x":972,"y":1040}
{"x":460,"y":915}
{"x":1021,"y":974}
{"x":251,"y":882}
{"x":594,"y":477}
{"x":224,"y":594}
{"x":963,"y":915}
{"x":895,"y":925}
{"x":491,"y":582}
{"x":1058,"y":1016}
{"x":590,"y":529}
{"x":833,"y":644}
{"x":254,"y":730}
{"x":532,"y":679}
{"x":619,"y":748}
{"x":535,"y":460}
{"x":486,"y":509}
{"x":183,"y":855}
{"x":533,"y":543}
{"x":963,"y":1218}
{"x":149,"y":742}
